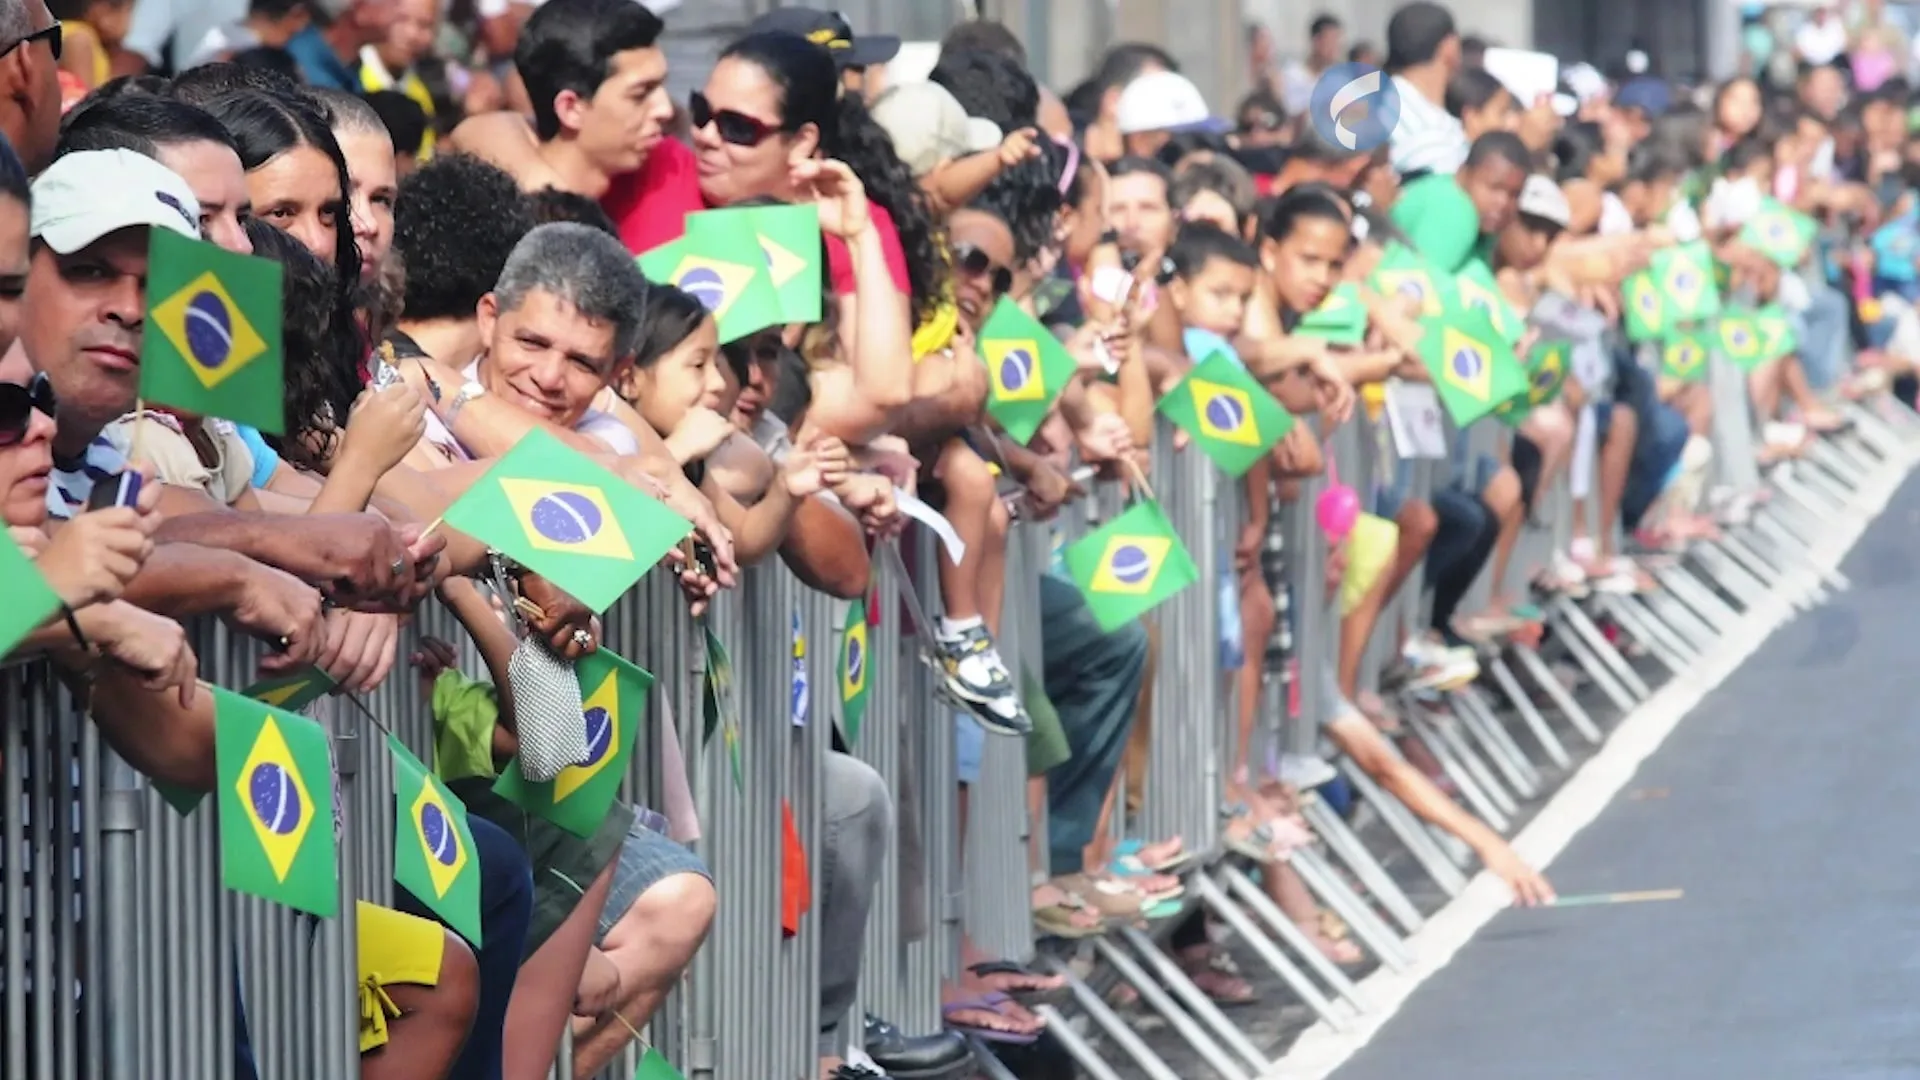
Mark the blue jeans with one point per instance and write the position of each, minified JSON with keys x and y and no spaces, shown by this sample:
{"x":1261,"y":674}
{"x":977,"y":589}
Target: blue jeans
{"x":1093,"y":680}
{"x":1661,"y":439}
{"x":1462,"y":541}
{"x":1824,"y":329}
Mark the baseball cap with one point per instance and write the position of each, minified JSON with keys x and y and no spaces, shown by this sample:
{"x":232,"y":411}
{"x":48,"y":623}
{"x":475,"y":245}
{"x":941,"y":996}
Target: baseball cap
{"x":830,"y":30}
{"x":1166,"y":101}
{"x":86,"y":195}
{"x":928,"y":125}
{"x":1543,"y":199}
{"x":1644,"y":92}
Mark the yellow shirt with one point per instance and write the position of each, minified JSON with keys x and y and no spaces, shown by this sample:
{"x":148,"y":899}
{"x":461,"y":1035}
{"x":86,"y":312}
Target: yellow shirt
{"x":375,"y":77}
{"x":76,"y":30}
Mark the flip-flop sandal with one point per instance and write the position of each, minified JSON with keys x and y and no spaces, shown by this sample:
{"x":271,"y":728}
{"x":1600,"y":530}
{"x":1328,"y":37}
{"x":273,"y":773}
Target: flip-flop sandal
{"x":1068,"y":921}
{"x":1028,"y":997}
{"x":989,"y":1003}
{"x":1166,"y":864}
{"x":1110,"y":898}
{"x":1219,"y":969}
{"x":1152,"y":882}
{"x":1255,"y":844}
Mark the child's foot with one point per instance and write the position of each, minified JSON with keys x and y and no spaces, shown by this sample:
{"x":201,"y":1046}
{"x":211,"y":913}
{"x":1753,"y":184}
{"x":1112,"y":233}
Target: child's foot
{"x":976,"y":675}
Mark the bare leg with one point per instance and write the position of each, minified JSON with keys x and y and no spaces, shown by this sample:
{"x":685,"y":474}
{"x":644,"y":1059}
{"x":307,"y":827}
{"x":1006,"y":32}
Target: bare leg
{"x":969,"y":506}
{"x":425,"y":1039}
{"x":650,"y":946}
{"x":543,"y":996}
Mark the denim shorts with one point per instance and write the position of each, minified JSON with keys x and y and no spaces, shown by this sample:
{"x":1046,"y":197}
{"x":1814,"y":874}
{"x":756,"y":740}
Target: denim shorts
{"x":969,"y":745}
{"x":646,"y":858}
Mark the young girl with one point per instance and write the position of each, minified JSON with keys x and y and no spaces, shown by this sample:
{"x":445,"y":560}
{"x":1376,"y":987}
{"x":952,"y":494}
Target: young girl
{"x":90,"y":31}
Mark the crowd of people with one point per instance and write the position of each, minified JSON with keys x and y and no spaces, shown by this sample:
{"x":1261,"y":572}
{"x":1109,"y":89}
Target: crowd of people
{"x":457,"y":212}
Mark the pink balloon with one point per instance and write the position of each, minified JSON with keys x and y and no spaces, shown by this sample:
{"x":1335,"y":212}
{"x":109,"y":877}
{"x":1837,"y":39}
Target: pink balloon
{"x":1337,"y":510}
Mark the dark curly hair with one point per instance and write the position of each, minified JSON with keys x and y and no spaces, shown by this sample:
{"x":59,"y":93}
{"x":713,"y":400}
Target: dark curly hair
{"x":455,"y":221}
{"x":550,"y":204}
{"x":848,"y":133}
{"x":990,"y":85}
{"x":1027,"y":198}
{"x":315,"y":347}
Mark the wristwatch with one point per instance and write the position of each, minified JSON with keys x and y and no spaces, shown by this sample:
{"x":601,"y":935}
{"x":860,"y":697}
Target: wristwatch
{"x":468,"y":392}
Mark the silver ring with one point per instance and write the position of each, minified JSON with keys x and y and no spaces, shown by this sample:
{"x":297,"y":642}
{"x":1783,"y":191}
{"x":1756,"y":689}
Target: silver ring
{"x":582,"y":638}
{"x":399,"y":566}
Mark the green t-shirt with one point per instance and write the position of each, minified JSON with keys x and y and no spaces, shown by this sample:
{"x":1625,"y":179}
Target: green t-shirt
{"x":1439,"y":221}
{"x":464,"y":714}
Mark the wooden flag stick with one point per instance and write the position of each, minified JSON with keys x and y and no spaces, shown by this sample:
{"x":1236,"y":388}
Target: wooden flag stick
{"x":1139,"y":478}
{"x":139,"y":417}
{"x":1618,"y":898}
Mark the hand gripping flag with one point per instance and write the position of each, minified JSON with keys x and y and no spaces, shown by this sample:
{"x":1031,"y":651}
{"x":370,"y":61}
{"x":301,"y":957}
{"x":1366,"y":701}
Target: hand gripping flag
{"x":30,"y":600}
{"x":1780,"y":233}
{"x":1341,"y":319}
{"x":1737,"y":335}
{"x":856,"y":670}
{"x":1777,"y":338}
{"x":613,"y":706}
{"x":1405,"y":275}
{"x":1130,"y":565}
{"x":212,"y":340}
{"x":1643,"y":306}
{"x":1472,"y":367}
{"x":1684,"y":354}
{"x":433,"y":854}
{"x":1477,"y":290}
{"x":790,"y":238}
{"x":1229,"y":415}
{"x":1684,"y":275}
{"x":275,"y":780}
{"x":1027,"y":368}
{"x":719,"y":261}
{"x":559,"y":513}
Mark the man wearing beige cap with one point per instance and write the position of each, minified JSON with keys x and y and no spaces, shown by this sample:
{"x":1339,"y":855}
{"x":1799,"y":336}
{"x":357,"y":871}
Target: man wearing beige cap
{"x":955,"y":156}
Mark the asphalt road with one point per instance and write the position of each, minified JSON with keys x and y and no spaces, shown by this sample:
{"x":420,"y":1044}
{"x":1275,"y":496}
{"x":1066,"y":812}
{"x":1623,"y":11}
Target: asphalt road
{"x":1787,"y":806}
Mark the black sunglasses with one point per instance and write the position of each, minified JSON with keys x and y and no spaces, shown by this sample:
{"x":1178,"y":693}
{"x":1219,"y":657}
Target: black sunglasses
{"x":733,"y":127}
{"x":52,"y":35}
{"x":973,"y":262}
{"x":18,"y":404}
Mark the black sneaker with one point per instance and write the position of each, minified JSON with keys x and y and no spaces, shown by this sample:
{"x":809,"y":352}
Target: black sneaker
{"x":857,"y":1072}
{"x":915,"y":1057}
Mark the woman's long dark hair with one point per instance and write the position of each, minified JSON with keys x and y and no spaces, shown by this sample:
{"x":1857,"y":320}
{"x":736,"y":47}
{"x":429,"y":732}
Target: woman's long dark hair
{"x":314,"y":344}
{"x":265,"y":125}
{"x":672,"y":316}
{"x":810,"y":89}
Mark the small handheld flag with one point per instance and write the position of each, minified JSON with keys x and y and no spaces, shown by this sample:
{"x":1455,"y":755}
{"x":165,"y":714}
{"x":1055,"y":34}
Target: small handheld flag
{"x":1684,"y":275}
{"x":1777,"y":338}
{"x":1737,"y":335}
{"x":30,"y":600}
{"x":790,"y":238}
{"x":719,"y":261}
{"x":1472,"y":367}
{"x":1780,"y":233}
{"x":1643,"y":306}
{"x":1230,"y":416}
{"x":1547,"y":368}
{"x":1130,"y":565}
{"x":1478,"y":291}
{"x":1341,"y":319}
{"x":276,"y":805}
{"x":722,"y":711}
{"x":433,"y":853}
{"x":292,"y":692}
{"x":1027,"y":368}
{"x":212,"y":340}
{"x":856,"y":670}
{"x":613,"y":706}
{"x":561,"y":514}
{"x":1403,"y":273}
{"x":1684,"y":354}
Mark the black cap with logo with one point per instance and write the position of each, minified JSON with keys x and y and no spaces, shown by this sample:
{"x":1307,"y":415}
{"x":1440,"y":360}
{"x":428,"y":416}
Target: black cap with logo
{"x":830,"y":30}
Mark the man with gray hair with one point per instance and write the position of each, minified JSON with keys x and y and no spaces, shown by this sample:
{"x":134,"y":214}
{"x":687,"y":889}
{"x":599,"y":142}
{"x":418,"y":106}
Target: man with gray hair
{"x":557,"y":327}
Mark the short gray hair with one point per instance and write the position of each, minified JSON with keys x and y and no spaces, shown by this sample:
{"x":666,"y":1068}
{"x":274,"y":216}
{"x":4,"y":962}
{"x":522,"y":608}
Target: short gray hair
{"x":583,"y":266}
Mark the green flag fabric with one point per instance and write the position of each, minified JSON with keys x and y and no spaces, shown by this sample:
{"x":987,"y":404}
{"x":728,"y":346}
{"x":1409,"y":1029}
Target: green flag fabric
{"x":30,"y":600}
{"x":1777,"y":338}
{"x":790,"y":239}
{"x":1130,"y":565}
{"x":1402,"y":273}
{"x":217,"y":350}
{"x":1780,"y":233}
{"x":720,"y":705}
{"x":1437,"y":217}
{"x":1684,"y":276}
{"x":719,"y":261}
{"x":433,"y":853}
{"x":1737,"y":335}
{"x":856,"y":670}
{"x":560,"y":514}
{"x":1684,"y":354}
{"x":613,"y":706}
{"x":1230,"y":416}
{"x":275,"y":780}
{"x":1027,"y":368}
{"x":1643,"y":307}
{"x":1341,"y":319}
{"x":1546,"y":366}
{"x":1478,"y":290}
{"x":292,"y":692}
{"x":1472,"y":367}
{"x":654,"y":1066}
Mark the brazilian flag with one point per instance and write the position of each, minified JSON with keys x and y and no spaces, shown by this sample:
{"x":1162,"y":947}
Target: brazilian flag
{"x":1547,"y":368}
{"x":1644,"y":307}
{"x":1777,"y":338}
{"x":856,"y":670}
{"x":275,"y":778}
{"x":1341,"y":319}
{"x":1737,"y":335}
{"x":1684,"y":275}
{"x":1684,"y":354}
{"x":1471,"y":365}
{"x":1477,"y":290}
{"x":1027,"y":368}
{"x":1779,"y":232}
{"x":790,"y":238}
{"x":290,"y":692}
{"x":565,"y":517}
{"x":719,"y":262}
{"x":433,"y":855}
{"x":1403,"y":273}
{"x":1130,"y":565}
{"x":30,"y":600}
{"x":1226,"y":411}
{"x":613,"y":706}
{"x":212,"y":340}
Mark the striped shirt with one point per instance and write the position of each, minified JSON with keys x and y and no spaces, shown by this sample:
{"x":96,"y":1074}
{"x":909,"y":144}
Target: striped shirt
{"x":72,"y":481}
{"x":1427,"y":138}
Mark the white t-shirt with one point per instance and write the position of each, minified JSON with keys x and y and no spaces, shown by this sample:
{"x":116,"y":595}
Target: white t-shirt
{"x":603,"y":426}
{"x":1427,"y":138}
{"x":1820,"y":42}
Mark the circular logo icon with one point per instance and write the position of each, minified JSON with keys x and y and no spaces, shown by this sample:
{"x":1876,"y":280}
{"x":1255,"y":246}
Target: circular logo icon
{"x":1225,"y":413}
{"x":1015,"y":369}
{"x":1413,"y":290}
{"x":1130,"y":564}
{"x":856,"y":661}
{"x":209,"y":329}
{"x":1543,"y":379}
{"x":1466,"y":363}
{"x":599,"y":734}
{"x":275,"y":800}
{"x":1683,"y":281}
{"x":442,"y":842}
{"x":704,"y":284}
{"x":566,"y":517}
{"x":1355,"y":106}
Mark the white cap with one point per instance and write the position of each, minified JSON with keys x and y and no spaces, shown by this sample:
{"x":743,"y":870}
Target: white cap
{"x":1165,"y":101}
{"x":86,"y":195}
{"x":1542,"y":198}
{"x":928,"y":125}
